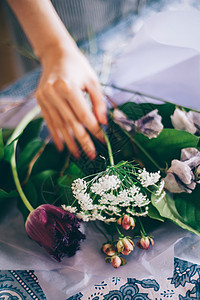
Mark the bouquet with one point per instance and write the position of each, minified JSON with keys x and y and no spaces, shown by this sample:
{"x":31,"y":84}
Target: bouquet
{"x":147,"y":172}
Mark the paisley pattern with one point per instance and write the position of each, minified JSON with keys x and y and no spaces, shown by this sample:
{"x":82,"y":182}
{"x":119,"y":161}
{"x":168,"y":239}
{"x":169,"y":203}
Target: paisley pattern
{"x":20,"y":285}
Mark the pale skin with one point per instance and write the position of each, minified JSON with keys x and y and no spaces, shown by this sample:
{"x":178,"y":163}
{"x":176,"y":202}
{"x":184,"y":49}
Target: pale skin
{"x":66,"y":74}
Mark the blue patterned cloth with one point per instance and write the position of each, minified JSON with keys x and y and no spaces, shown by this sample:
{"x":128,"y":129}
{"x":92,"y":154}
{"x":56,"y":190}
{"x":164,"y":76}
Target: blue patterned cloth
{"x":20,"y":285}
{"x":185,"y":284}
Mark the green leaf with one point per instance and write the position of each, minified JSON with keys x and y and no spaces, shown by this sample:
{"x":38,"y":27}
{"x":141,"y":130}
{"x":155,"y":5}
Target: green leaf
{"x":153,"y":213}
{"x":1,"y":146}
{"x":73,"y":172}
{"x":50,"y":159}
{"x":166,"y":147}
{"x":4,"y":196}
{"x":181,"y":210}
{"x":29,"y":152}
{"x":30,"y":132}
{"x":45,"y":183}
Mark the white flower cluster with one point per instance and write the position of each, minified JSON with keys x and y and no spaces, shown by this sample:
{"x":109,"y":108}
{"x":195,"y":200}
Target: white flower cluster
{"x":105,"y":184}
{"x":147,"y":178}
{"x":108,"y":196}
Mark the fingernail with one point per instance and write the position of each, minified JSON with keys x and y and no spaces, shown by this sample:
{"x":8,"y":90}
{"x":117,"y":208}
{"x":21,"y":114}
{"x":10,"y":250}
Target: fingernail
{"x":102,"y":139}
{"x":76,"y":155}
{"x":91,"y":154}
{"x":104,"y":119}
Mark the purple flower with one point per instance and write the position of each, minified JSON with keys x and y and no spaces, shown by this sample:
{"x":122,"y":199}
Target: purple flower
{"x":184,"y":174}
{"x":150,"y":125}
{"x":55,"y":229}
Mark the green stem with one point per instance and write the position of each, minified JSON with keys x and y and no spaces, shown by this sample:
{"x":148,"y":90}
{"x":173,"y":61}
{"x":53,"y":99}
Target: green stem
{"x":143,"y":230}
{"x":109,"y":149}
{"x":120,"y":234}
{"x":33,"y":113}
{"x":102,"y":232}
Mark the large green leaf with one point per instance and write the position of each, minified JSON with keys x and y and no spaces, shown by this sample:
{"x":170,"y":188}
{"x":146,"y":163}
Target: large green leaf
{"x":50,"y":159}
{"x":166,"y":147}
{"x":30,"y":132}
{"x":182,"y":209}
{"x":29,"y":152}
{"x":46,"y":186}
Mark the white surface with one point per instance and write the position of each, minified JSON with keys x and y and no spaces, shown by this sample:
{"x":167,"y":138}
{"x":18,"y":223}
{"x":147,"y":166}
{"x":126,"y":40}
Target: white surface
{"x":163,"y":59}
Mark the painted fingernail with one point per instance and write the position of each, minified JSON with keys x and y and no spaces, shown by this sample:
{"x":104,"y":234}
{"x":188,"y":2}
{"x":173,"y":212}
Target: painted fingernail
{"x":104,"y":119}
{"x":91,"y":154}
{"x":76,"y":154}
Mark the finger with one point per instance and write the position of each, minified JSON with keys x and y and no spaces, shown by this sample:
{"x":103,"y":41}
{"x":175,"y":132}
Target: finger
{"x":99,"y":106}
{"x":68,"y":116}
{"x":51,"y":126}
{"x":80,"y":108}
{"x":62,"y":126}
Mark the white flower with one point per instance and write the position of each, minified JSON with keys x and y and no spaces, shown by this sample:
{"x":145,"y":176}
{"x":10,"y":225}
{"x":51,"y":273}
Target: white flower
{"x":105,"y":183}
{"x":85,"y":201}
{"x":147,"y":178}
{"x":160,"y":188}
{"x":69,"y":208}
{"x":108,"y":198}
{"x":181,"y":121}
{"x":123,"y":198}
{"x":138,"y":214}
{"x":83,"y":216}
{"x":79,"y":186}
{"x":110,"y":220}
{"x":134,"y":190}
{"x":141,"y":200}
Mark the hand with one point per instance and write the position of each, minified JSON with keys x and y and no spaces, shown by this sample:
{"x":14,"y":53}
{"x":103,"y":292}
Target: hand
{"x":66,"y":74}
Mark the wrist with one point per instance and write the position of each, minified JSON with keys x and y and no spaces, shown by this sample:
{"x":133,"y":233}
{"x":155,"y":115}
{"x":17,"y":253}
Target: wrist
{"x":56,"y":48}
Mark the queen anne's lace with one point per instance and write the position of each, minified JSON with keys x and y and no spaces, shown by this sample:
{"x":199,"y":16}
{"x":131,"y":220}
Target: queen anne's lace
{"x":147,"y":178}
{"x":114,"y":192}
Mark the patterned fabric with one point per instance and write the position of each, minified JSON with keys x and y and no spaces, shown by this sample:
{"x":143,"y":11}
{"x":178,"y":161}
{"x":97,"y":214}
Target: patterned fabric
{"x":20,"y":285}
{"x":185,"y":284}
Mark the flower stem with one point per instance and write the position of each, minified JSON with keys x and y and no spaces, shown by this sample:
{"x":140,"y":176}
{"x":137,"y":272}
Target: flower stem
{"x":142,"y":227}
{"x":109,"y":149}
{"x":102,"y":232}
{"x":13,"y":139}
{"x":120,"y":234}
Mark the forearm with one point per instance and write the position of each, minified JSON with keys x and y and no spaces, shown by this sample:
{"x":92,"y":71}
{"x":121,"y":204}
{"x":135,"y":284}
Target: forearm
{"x":42,"y":26}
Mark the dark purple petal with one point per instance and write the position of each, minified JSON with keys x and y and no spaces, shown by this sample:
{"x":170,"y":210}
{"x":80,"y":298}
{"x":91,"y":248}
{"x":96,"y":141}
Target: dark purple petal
{"x":55,"y":229}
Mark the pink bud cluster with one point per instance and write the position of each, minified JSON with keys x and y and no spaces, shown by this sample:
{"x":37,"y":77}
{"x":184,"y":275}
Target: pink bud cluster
{"x":123,"y":246}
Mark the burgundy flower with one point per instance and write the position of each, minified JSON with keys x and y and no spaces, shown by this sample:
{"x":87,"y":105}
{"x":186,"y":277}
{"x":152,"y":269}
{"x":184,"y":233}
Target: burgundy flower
{"x":55,"y":229}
